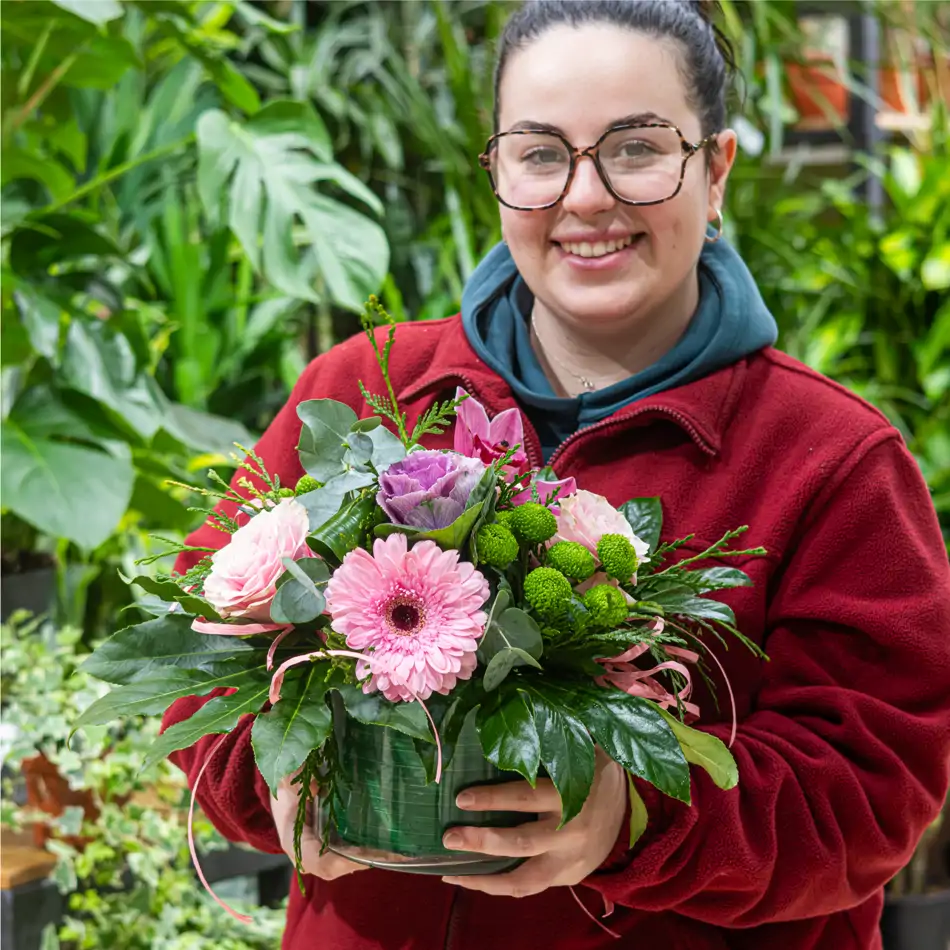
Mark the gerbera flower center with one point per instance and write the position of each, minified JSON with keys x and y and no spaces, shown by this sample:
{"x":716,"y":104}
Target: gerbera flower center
{"x":405,"y":615}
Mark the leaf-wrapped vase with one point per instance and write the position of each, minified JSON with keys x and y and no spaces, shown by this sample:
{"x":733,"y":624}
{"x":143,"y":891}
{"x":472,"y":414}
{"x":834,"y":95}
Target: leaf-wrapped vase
{"x":386,"y":815}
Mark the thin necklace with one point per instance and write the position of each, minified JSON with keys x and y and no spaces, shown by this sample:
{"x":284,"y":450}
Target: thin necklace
{"x":585,"y":381}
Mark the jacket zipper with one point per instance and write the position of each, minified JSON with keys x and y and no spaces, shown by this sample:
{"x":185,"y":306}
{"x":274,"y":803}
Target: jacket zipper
{"x":533,"y":455}
{"x":608,"y":423}
{"x":453,"y":916}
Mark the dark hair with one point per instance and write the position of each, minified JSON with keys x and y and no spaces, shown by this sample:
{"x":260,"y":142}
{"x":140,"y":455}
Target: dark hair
{"x":707,"y":60}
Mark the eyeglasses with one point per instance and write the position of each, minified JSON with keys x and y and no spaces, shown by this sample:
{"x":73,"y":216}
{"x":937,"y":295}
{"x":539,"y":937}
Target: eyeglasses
{"x":532,"y":169}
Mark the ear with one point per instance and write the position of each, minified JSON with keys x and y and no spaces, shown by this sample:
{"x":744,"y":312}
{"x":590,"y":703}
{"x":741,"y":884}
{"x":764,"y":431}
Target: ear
{"x":720,"y":164}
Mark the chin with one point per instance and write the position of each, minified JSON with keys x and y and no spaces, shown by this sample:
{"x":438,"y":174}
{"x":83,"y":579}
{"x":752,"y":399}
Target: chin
{"x":601,"y":310}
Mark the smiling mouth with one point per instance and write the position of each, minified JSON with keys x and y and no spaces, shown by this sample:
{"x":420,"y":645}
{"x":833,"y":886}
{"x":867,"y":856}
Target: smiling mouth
{"x":598,"y":248}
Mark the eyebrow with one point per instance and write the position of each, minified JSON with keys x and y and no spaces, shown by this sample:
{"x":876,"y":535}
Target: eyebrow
{"x":636,"y":118}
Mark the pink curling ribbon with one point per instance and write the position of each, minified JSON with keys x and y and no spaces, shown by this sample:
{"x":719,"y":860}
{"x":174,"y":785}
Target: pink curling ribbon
{"x":272,"y":650}
{"x":608,"y":910}
{"x":200,"y":625}
{"x":621,"y":672}
{"x":243,"y":918}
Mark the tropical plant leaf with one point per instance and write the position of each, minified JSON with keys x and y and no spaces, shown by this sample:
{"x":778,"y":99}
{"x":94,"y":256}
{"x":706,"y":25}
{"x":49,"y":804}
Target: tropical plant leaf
{"x":645,"y":516}
{"x":166,"y":641}
{"x":217,"y":716}
{"x":296,"y":725}
{"x":509,"y":737}
{"x":374,"y":709}
{"x":272,"y":163}
{"x":450,"y":719}
{"x":717,"y":578}
{"x":66,"y":490}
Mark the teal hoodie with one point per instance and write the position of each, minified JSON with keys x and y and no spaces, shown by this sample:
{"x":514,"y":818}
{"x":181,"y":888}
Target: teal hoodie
{"x":730,"y":322}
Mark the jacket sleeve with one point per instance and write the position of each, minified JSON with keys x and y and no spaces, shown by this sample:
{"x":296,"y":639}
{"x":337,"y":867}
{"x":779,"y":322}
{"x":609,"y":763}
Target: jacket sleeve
{"x":843,"y":761}
{"x":233,"y":794}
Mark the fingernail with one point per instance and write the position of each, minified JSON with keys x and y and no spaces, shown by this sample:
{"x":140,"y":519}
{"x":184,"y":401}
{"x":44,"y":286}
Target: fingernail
{"x":465,"y":799}
{"x":452,"y":839}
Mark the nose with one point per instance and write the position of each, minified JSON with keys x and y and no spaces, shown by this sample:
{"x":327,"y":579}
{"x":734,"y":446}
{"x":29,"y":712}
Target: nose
{"x":587,"y":193}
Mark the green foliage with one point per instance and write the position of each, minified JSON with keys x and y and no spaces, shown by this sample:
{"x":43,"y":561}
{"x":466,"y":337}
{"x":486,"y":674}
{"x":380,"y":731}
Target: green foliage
{"x":132,"y":885}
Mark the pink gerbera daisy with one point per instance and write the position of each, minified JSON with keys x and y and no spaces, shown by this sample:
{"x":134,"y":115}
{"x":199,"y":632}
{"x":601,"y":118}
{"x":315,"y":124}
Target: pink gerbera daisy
{"x":417,"y":614}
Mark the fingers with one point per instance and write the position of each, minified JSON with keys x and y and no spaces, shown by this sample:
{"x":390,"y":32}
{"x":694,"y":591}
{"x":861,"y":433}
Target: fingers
{"x":512,"y":796}
{"x":327,"y":866}
{"x":531,"y":878}
{"x":525,"y":841}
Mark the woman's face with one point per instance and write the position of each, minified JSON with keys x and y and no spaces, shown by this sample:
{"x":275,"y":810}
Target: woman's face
{"x":581,"y":82}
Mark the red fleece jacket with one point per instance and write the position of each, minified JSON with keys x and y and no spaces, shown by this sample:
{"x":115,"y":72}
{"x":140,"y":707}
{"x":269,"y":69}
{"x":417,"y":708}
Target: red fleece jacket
{"x":844,"y":735}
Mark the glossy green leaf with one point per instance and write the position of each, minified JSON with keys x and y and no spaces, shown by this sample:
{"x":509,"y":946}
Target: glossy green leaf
{"x":632,"y":732}
{"x":169,"y":591}
{"x":638,"y":812}
{"x":323,"y":436}
{"x":217,"y":716}
{"x":451,"y":538}
{"x":166,"y":641}
{"x":567,"y":753}
{"x":347,"y":528}
{"x":645,"y":516}
{"x":719,"y":578}
{"x":706,"y":751}
{"x":298,"y":723}
{"x":509,"y":737}
{"x":154,"y":693}
{"x":66,"y":490}
{"x":375,"y":710}
{"x":450,"y":714}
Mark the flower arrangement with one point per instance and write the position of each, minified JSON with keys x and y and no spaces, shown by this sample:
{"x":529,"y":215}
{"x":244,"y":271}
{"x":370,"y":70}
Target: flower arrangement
{"x":456,"y":612}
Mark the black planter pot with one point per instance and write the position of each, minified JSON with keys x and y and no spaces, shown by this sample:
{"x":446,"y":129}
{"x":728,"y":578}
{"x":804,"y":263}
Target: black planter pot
{"x":34,"y":591}
{"x":917,"y":922}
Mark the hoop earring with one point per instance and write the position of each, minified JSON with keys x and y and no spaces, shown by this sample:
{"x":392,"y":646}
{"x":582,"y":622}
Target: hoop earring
{"x":718,"y":234}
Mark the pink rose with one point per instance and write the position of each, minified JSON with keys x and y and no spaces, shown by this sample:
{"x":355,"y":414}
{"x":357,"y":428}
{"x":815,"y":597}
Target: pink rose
{"x":585,"y":517}
{"x":243,"y":578}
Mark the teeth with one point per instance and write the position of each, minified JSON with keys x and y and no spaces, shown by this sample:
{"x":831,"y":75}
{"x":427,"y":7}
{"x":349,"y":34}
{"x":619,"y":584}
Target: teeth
{"x":585,"y":249}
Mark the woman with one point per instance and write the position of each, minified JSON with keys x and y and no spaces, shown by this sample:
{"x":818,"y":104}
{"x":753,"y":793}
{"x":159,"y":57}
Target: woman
{"x":639,"y":349}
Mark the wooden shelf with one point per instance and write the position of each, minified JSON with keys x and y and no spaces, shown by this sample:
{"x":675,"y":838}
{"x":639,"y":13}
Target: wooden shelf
{"x":21,"y":865}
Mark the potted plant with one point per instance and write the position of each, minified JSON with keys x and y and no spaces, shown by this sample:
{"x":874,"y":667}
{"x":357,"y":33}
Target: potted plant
{"x":818,"y":79}
{"x":917,"y":909}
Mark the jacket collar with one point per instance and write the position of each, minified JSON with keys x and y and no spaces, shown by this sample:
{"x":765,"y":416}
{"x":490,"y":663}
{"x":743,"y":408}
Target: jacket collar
{"x":702,"y":409}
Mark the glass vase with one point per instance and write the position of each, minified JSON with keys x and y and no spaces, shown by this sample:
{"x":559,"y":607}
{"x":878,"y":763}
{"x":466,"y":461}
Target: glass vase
{"x":385,"y":815}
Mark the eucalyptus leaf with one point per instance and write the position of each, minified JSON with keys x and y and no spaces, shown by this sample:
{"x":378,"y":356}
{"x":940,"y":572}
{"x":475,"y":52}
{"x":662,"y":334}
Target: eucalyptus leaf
{"x":361,"y":448}
{"x":323,"y":436}
{"x":298,"y":723}
{"x":509,"y":627}
{"x":387,"y":448}
{"x":374,"y":709}
{"x":321,"y":504}
{"x":350,"y":481}
{"x":367,"y":424}
{"x":645,"y":516}
{"x":296,"y":603}
{"x":166,"y":641}
{"x":502,"y":663}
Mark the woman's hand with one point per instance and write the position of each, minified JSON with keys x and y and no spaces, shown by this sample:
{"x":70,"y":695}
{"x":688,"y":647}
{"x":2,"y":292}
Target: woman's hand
{"x":327,"y":866}
{"x":555,"y":858}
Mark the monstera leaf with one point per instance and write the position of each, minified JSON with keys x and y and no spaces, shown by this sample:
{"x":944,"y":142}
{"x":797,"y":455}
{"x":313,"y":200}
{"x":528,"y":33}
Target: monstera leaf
{"x":268,"y":168}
